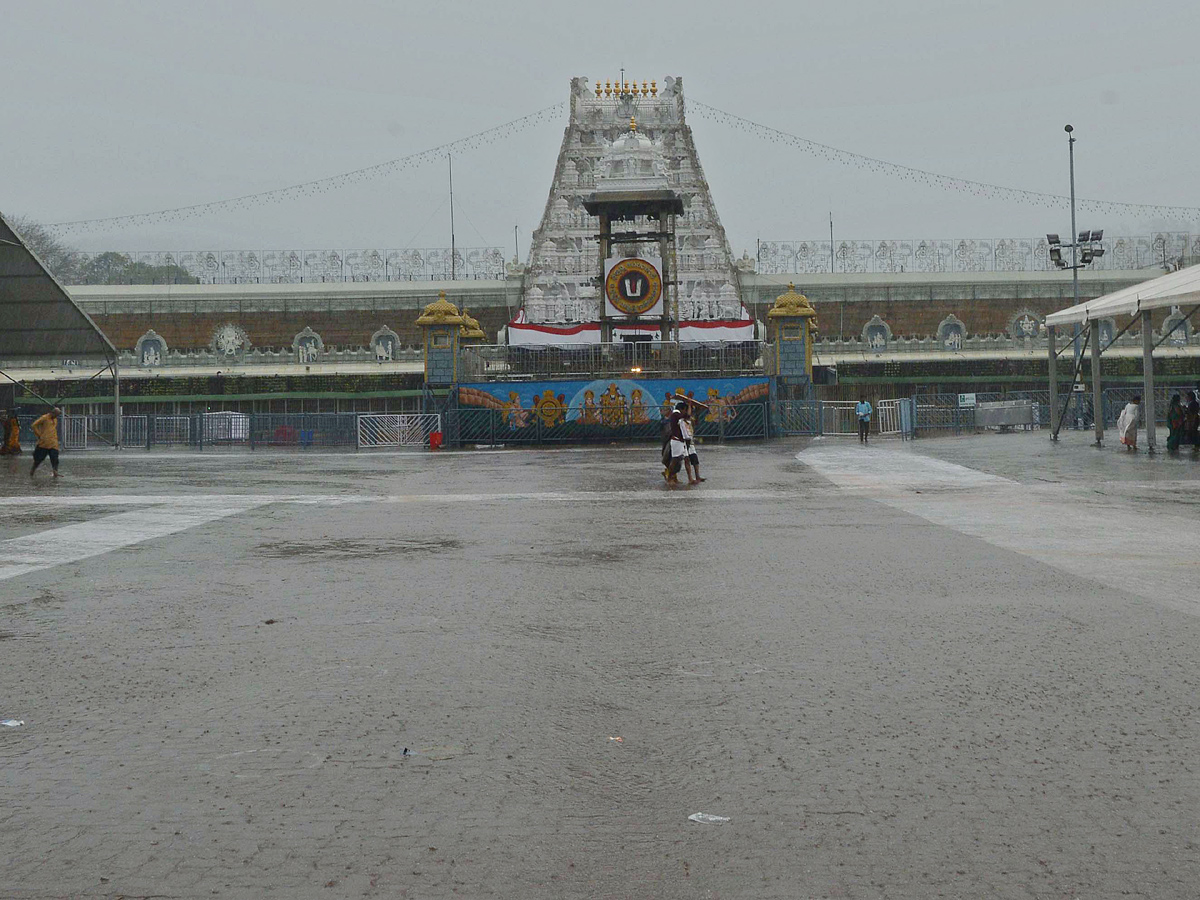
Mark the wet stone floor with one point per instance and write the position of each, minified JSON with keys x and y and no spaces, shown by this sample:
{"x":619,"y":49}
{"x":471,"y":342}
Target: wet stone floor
{"x":961,"y":668}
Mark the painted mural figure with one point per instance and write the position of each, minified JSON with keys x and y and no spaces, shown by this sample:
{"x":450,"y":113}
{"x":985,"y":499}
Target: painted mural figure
{"x":591,"y":412}
{"x":612,"y":407}
{"x":639,"y":412}
{"x":719,"y":408}
{"x":514,"y":414}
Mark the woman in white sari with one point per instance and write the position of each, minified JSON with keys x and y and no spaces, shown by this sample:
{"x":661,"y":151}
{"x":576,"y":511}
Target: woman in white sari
{"x":1127,"y":424}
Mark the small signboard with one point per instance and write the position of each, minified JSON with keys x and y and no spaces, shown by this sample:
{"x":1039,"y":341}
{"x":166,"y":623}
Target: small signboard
{"x":966,"y":400}
{"x":1079,"y":387}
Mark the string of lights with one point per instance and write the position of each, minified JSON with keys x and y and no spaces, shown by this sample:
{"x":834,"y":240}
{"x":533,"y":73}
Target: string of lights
{"x":933,"y":179}
{"x":319,"y":186}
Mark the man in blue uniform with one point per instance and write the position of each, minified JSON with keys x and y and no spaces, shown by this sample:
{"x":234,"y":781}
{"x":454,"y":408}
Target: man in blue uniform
{"x":862,"y":409}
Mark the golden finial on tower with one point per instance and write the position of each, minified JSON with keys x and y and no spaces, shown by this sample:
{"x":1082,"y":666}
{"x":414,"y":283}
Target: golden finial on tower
{"x":627,"y":87}
{"x":645,"y":89}
{"x":599,"y":88}
{"x":654,"y":89}
{"x":633,"y":123}
{"x":607,"y":88}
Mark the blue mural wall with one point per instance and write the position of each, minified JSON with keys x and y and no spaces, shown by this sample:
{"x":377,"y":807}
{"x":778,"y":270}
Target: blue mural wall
{"x":581,"y":409}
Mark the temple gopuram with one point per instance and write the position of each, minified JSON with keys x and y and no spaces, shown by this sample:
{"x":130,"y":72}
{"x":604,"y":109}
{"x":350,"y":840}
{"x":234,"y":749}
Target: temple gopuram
{"x":628,"y":137}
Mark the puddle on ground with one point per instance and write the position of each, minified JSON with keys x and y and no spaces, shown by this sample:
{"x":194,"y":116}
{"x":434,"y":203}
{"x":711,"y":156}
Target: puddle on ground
{"x":348,"y":548}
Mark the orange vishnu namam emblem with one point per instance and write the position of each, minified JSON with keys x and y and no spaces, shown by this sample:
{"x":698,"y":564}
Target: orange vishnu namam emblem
{"x":633,"y":286}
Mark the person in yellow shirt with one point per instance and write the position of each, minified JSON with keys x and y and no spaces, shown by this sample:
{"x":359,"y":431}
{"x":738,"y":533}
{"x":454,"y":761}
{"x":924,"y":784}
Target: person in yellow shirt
{"x":46,"y":429}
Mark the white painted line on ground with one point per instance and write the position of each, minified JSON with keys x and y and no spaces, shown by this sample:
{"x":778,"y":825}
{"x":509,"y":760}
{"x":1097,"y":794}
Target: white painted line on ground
{"x":1151,"y":556}
{"x":71,"y":543}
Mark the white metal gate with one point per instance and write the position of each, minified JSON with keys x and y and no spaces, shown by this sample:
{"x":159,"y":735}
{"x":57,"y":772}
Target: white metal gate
{"x":888,"y":416}
{"x":392,"y":430}
{"x":73,"y":430}
{"x":839,"y":418}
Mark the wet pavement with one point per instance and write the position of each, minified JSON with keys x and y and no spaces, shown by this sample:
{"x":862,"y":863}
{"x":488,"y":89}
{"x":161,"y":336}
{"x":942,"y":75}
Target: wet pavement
{"x":957,"y":668}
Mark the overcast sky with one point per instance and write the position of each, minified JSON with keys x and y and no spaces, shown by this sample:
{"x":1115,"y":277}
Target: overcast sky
{"x":115,"y":108}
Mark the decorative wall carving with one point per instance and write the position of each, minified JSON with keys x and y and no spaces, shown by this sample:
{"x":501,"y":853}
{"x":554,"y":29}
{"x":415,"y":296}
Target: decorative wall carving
{"x":151,"y":350}
{"x":877,"y":333}
{"x":307,"y":346}
{"x":951,"y":332}
{"x":1025,"y":324}
{"x":386,"y":344}
{"x":230,"y":340}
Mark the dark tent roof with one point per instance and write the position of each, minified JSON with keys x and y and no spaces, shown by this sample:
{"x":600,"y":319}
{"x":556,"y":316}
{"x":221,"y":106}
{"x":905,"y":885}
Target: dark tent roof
{"x":38,"y":318}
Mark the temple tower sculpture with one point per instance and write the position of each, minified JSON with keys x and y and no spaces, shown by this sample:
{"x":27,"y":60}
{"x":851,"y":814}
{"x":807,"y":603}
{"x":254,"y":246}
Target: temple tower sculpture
{"x":560,"y":294}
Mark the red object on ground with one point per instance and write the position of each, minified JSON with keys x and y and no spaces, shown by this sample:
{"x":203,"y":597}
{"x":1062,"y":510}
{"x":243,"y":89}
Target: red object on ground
{"x":435,"y":440}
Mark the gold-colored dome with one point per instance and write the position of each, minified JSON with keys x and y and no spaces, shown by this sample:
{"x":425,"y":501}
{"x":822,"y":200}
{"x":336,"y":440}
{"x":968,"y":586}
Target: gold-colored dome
{"x":792,"y":305}
{"x":440,"y":312}
{"x":470,"y":330}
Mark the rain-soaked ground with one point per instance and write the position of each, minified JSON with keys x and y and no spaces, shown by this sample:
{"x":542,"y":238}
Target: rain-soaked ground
{"x":955,"y":668}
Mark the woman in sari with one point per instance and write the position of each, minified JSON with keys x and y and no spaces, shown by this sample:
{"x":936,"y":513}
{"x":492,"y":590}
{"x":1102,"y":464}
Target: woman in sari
{"x":1174,"y":422}
{"x":1128,"y":422}
{"x":12,"y":436}
{"x":1191,"y":421}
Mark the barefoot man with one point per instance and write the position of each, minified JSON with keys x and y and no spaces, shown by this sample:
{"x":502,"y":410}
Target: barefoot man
{"x":46,"y":429}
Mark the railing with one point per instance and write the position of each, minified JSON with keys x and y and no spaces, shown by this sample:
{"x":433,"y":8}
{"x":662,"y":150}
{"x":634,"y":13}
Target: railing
{"x":965,"y":254}
{"x":302,"y":266}
{"x":587,"y":361}
{"x":396,"y":430}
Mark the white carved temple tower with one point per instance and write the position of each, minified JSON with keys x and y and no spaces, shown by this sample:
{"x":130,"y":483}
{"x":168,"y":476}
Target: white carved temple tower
{"x":561,"y":296}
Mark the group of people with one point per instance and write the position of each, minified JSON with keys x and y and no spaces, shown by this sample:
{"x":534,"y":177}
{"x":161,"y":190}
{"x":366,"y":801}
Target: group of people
{"x":45,"y":430}
{"x":1183,"y":421}
{"x":679,"y":446}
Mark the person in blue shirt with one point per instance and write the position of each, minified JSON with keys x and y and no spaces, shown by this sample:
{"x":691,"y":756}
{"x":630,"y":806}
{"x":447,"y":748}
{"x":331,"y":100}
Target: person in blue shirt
{"x":862,"y":409}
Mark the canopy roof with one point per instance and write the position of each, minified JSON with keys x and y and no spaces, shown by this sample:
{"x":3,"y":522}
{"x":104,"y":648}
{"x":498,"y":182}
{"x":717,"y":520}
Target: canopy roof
{"x":1172,"y":289}
{"x":38,"y":318}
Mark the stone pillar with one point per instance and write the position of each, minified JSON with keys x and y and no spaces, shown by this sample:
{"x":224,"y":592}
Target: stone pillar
{"x":441,"y":324}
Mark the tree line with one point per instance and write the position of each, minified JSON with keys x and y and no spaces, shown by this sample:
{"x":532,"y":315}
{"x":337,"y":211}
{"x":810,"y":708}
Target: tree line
{"x":72,"y":266}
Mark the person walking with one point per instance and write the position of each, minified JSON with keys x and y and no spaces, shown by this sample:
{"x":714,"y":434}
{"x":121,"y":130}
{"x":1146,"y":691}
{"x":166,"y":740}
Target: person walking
{"x":12,"y":435}
{"x":675,"y":443}
{"x":863,"y":410}
{"x":1174,"y":422}
{"x":691,"y":461}
{"x":46,"y":430}
{"x":1127,"y":422}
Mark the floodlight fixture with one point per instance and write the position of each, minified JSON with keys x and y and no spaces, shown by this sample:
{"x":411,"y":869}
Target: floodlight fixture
{"x":1052,"y":239}
{"x":1056,"y":257}
{"x":1085,"y":254}
{"x":1084,"y":237}
{"x":1098,"y":250}
{"x":1098,"y":235}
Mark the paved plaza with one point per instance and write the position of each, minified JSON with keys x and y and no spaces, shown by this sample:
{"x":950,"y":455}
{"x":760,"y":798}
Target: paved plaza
{"x":960,"y":668}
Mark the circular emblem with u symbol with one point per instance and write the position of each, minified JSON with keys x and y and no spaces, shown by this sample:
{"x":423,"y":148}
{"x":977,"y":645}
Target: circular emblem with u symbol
{"x":633,"y":286}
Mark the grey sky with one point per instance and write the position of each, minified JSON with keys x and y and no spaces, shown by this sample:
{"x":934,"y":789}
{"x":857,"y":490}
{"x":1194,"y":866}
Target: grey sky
{"x":115,"y":108}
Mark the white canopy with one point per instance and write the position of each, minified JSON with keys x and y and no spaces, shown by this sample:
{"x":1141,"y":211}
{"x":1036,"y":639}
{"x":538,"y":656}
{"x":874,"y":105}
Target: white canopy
{"x":1172,"y":289}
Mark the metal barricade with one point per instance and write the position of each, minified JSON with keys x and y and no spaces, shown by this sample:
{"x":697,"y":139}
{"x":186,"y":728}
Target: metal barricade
{"x":838,"y":418}
{"x":396,"y":430}
{"x":172,"y":430}
{"x":133,"y":431}
{"x":73,"y":431}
